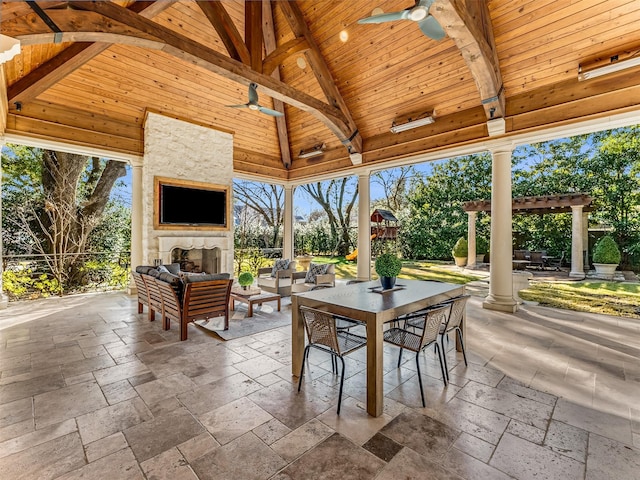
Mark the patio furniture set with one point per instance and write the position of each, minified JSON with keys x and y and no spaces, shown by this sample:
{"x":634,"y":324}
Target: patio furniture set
{"x":538,"y":259}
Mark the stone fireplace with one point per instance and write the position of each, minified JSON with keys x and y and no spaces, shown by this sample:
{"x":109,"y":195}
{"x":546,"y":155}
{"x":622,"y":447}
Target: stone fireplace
{"x":197,"y":254}
{"x":184,"y":151}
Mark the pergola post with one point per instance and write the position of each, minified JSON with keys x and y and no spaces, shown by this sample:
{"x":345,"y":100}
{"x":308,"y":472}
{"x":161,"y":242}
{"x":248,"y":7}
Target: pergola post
{"x":287,"y":235}
{"x":136,"y":221}
{"x":577,"y":254}
{"x":4,"y":299}
{"x":364,"y":227}
{"x":501,"y":280}
{"x":471,"y":239}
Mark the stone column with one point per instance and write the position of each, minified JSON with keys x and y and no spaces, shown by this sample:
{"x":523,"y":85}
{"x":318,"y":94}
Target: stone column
{"x":471,"y":239}
{"x":364,"y":228}
{"x":585,"y":240}
{"x":501,"y":280}
{"x":577,"y":264}
{"x":4,"y":299}
{"x":287,"y":235}
{"x":136,"y":220}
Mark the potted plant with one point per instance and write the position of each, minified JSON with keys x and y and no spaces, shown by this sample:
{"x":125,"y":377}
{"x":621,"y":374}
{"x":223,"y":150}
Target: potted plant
{"x":606,"y":256}
{"x":482,"y":247}
{"x":245,"y":280}
{"x":459,"y":252}
{"x":388,"y":266}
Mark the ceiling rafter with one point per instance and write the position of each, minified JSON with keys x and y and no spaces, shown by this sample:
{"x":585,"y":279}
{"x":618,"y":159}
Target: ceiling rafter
{"x":268,"y":31}
{"x":253,"y":33}
{"x":227,"y":31}
{"x":123,"y":26}
{"x":467,"y":22}
{"x":75,"y":56}
{"x":294,"y":17}
{"x":275,"y":57}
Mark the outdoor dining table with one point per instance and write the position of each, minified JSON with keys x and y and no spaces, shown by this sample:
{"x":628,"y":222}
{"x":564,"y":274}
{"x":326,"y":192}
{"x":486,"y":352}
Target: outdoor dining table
{"x":361,"y":302}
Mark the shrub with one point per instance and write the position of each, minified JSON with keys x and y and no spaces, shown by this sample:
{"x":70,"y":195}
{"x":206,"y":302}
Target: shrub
{"x":388,"y":265}
{"x":245,"y":279}
{"x":460,"y":248}
{"x":482,"y":245}
{"x":606,"y":251}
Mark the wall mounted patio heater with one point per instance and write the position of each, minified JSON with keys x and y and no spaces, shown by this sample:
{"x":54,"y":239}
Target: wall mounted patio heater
{"x":613,"y":64}
{"x":313,"y":151}
{"x":412,"y":123}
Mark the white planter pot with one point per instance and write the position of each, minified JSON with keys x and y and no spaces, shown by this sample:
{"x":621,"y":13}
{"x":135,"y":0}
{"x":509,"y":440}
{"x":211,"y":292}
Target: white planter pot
{"x":460,"y":261}
{"x":605,"y":268}
{"x":480,"y":258}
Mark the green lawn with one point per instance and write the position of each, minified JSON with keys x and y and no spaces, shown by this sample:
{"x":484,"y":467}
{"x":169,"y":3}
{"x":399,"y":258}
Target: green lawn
{"x":612,"y":298}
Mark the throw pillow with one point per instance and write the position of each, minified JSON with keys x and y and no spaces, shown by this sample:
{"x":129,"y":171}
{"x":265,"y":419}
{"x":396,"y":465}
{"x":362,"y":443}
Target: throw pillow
{"x":163,"y":269}
{"x":315,"y":269}
{"x":279,"y":264}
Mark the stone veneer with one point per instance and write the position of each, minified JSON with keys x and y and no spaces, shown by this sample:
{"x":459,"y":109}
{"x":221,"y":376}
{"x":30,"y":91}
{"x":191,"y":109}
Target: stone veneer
{"x":184,"y":151}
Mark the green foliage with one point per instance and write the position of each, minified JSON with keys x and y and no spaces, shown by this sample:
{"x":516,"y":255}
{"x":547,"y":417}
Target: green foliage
{"x":245,"y":279}
{"x":103,"y":274}
{"x":249,"y":260}
{"x":606,"y":251}
{"x":27,"y":284}
{"x":388,"y":265}
{"x":482,"y":245}
{"x":460,"y":249}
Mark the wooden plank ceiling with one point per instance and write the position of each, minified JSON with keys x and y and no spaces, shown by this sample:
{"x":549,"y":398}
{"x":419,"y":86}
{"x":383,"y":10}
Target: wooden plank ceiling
{"x":338,"y":83}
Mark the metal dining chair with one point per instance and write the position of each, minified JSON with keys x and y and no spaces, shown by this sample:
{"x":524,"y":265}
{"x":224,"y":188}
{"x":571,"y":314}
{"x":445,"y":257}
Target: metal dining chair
{"x":323,"y":334}
{"x":454,"y":320}
{"x":417,"y":342}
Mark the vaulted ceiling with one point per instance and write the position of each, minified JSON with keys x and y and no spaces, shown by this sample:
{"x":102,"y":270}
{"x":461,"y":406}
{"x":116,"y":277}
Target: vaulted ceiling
{"x":89,"y":71}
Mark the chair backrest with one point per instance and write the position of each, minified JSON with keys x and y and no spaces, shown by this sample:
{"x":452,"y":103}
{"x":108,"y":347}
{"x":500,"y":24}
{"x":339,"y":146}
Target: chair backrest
{"x":458,"y":305}
{"x":170,"y":301}
{"x":155,"y":299}
{"x":432,"y":321}
{"x":143,"y":296}
{"x":206,"y":299}
{"x":536,"y":257}
{"x":320,"y":327}
{"x":520,"y":254}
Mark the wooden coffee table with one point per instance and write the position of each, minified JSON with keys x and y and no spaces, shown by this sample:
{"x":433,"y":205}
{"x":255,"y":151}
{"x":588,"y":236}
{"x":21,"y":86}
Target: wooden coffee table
{"x":251,"y":297}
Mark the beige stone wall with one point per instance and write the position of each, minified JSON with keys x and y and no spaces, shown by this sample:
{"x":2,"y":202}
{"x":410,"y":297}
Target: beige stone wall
{"x":184,"y":151}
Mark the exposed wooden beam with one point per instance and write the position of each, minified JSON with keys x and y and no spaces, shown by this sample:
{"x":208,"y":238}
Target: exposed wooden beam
{"x":136,"y":30}
{"x":276,"y":56}
{"x":468,"y":24}
{"x":227,"y":31}
{"x":253,"y":33}
{"x":268,"y":31}
{"x":294,"y":17}
{"x":72,"y":58}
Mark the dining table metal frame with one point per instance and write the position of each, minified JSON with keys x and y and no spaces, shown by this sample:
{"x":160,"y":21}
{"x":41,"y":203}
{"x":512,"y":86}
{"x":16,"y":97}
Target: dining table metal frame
{"x":361,"y":302}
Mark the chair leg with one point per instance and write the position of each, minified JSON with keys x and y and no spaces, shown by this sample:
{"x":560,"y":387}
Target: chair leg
{"x":400,"y":358}
{"x":420,"y":378}
{"x":464,"y":353}
{"x":444,"y":375}
{"x":341,"y":384}
{"x":444,"y":355}
{"x":305,"y":355}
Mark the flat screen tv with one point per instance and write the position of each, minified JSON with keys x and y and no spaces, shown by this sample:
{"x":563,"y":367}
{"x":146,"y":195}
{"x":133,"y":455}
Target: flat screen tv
{"x":184,"y":204}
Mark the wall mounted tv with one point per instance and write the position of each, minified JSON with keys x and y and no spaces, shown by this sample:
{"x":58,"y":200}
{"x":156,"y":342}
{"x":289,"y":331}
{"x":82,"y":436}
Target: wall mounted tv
{"x":183,"y":204}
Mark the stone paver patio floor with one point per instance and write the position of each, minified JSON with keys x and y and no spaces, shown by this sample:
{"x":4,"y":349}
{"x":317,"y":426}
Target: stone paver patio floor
{"x":90,"y":389}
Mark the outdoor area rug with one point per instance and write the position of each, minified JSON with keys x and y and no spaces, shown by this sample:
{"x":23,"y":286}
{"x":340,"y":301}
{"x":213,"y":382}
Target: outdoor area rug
{"x":265,"y":317}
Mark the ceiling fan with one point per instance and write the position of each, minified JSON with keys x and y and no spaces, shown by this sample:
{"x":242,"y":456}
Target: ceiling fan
{"x":253,"y":104}
{"x":419,"y":13}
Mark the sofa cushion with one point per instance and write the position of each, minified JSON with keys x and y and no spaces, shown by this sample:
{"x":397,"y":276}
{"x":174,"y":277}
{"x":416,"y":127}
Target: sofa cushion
{"x":204,"y":277}
{"x":173,"y":268}
{"x":174,"y":280}
{"x":144,"y":269}
{"x":280,"y":264}
{"x":314,"y":270}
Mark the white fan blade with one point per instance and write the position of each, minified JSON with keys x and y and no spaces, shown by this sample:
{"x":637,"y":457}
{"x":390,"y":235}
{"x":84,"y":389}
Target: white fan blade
{"x":386,"y":17}
{"x":268,"y":111}
{"x":431,"y":28}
